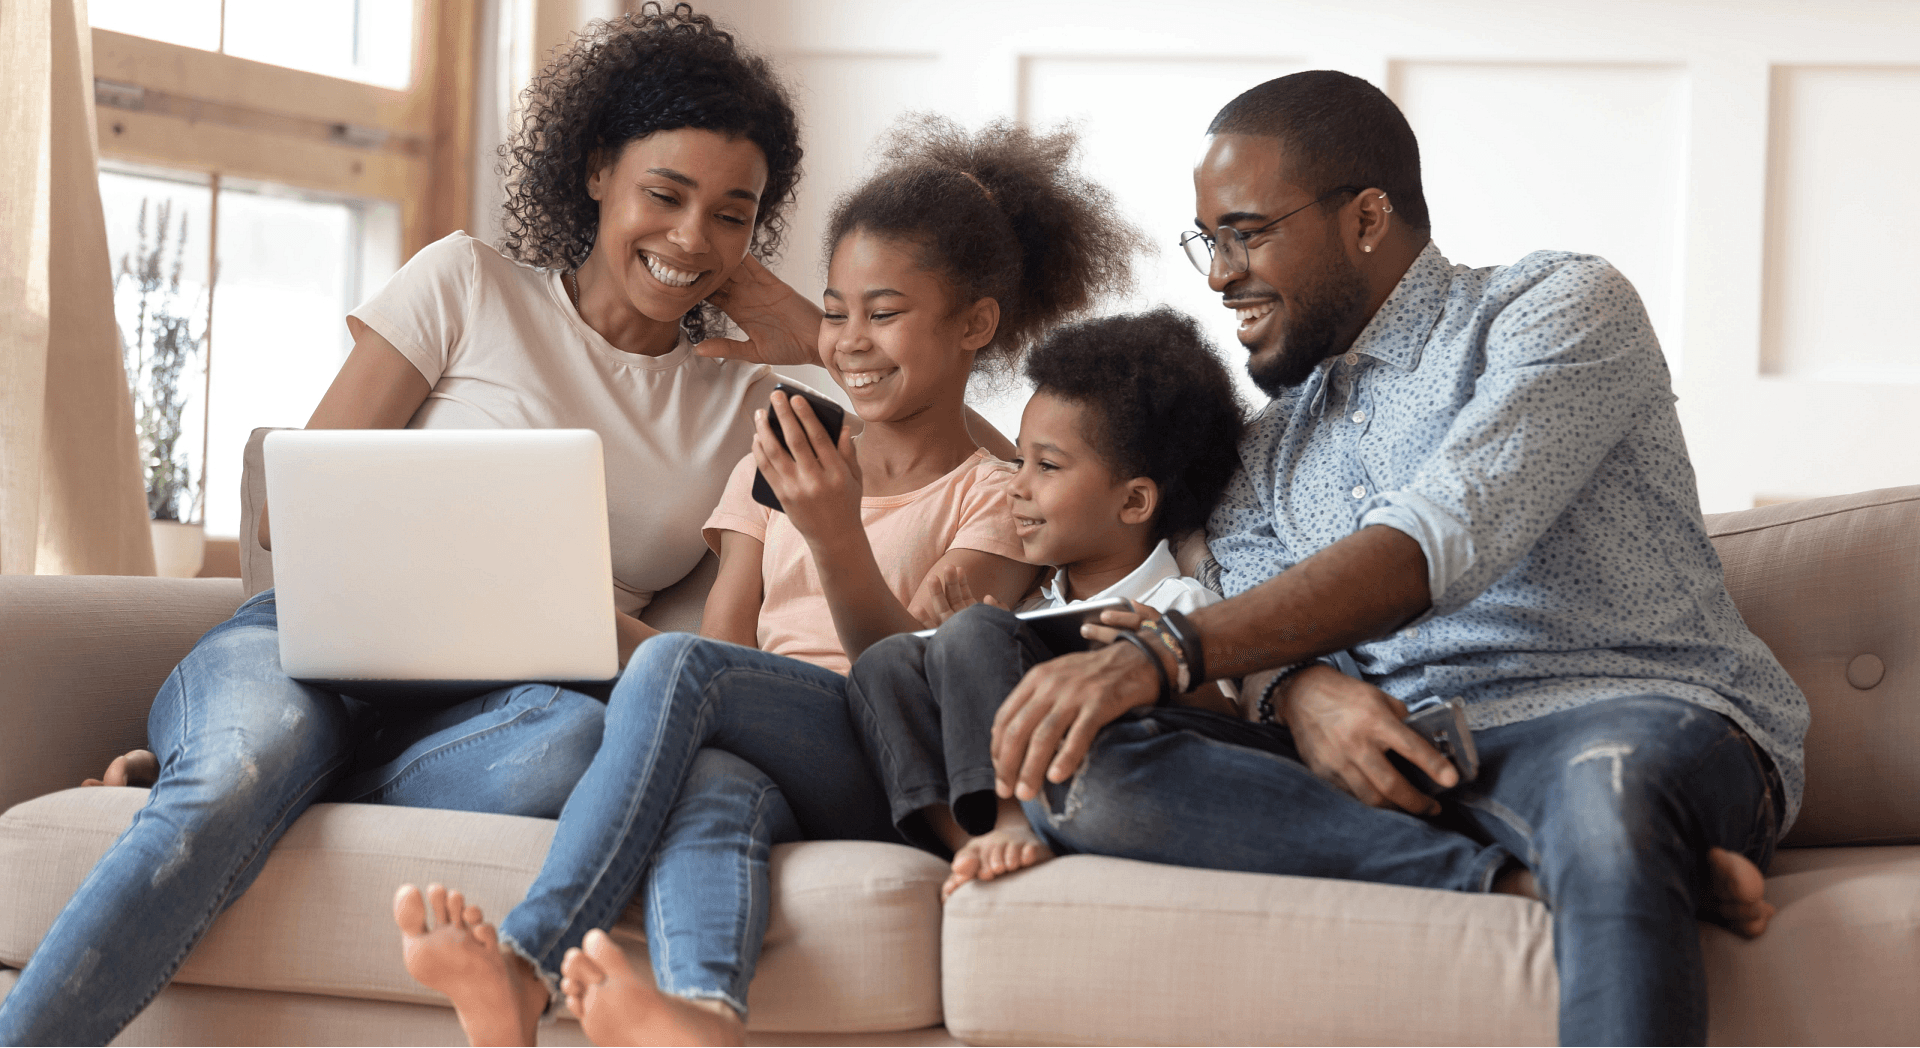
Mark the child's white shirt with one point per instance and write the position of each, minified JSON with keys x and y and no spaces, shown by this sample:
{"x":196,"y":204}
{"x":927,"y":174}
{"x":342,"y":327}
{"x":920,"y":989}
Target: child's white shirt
{"x":1157,"y":583}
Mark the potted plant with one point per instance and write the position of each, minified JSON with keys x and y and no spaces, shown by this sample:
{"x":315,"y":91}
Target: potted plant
{"x":158,"y":342}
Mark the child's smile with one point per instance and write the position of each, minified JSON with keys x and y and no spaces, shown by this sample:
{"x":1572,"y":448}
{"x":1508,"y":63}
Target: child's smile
{"x":891,"y":335}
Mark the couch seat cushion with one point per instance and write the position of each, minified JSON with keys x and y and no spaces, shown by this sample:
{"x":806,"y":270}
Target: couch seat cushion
{"x":853,"y":944}
{"x":1089,"y":950}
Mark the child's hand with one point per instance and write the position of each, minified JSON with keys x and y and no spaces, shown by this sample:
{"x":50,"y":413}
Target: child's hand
{"x":818,"y":483}
{"x":946,"y":593}
{"x":1113,"y":622}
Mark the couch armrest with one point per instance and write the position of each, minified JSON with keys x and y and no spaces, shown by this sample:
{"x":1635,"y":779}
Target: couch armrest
{"x":81,"y":657}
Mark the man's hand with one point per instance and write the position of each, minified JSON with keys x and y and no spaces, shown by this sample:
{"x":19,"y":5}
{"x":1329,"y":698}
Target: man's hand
{"x":1344,"y":728}
{"x":1047,"y":725}
{"x":781,"y":326}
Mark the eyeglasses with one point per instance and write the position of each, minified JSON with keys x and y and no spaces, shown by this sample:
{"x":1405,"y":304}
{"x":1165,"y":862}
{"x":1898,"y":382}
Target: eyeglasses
{"x":1199,"y":246}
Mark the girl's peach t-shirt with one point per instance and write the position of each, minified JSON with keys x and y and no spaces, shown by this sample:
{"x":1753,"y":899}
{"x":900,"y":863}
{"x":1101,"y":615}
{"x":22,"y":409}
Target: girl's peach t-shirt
{"x":966,"y":509}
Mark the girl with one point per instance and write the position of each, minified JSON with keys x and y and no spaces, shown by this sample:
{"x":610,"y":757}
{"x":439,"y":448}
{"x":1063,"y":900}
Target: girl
{"x":950,"y":260}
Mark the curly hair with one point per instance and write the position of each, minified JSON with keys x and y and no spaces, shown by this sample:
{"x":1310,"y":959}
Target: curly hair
{"x":1001,"y":214}
{"x":626,"y":78}
{"x":1161,"y":405}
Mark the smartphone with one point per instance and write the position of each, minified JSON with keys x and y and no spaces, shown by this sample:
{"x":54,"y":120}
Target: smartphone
{"x":1059,"y":628}
{"x":1443,"y":723}
{"x":832,"y":416}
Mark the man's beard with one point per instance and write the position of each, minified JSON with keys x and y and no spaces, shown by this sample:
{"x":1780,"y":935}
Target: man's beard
{"x":1317,"y":323}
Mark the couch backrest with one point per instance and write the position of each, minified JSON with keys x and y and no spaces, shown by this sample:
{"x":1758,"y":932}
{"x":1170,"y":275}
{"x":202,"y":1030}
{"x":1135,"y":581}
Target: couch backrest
{"x":1833,"y":587}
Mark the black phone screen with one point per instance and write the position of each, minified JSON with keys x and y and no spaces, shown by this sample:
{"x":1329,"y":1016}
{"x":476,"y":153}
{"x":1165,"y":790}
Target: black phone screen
{"x":832,"y":416}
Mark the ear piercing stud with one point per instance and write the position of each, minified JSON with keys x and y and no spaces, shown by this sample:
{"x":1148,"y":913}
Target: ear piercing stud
{"x":1368,"y":248}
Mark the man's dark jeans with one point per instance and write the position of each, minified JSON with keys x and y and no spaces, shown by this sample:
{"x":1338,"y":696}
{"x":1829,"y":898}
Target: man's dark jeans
{"x":1613,"y":806}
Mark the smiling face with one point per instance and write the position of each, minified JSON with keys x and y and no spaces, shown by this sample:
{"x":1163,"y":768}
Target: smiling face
{"x":1068,"y":506}
{"x":1302,"y":298}
{"x":676,"y":214}
{"x":892,"y":336}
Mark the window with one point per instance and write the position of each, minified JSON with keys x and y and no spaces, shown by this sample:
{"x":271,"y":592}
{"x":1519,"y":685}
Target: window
{"x":308,"y":153}
{"x":366,"y":40}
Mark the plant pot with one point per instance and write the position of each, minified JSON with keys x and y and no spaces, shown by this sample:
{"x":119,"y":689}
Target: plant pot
{"x":178,"y":549}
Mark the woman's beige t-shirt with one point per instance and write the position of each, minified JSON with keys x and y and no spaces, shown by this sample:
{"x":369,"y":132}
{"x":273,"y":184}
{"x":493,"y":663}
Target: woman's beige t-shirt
{"x":966,"y":509}
{"x":503,"y":348}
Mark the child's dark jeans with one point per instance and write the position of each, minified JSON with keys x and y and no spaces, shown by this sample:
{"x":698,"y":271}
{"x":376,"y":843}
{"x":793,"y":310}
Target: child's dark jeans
{"x":925,"y":708}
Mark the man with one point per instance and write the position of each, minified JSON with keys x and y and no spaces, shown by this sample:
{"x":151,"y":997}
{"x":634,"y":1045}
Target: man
{"x":1469,"y":483}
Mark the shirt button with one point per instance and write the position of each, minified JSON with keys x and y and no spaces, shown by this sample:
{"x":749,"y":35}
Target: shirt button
{"x":1359,"y":491}
{"x":1353,"y":359}
{"x":1359,"y":416}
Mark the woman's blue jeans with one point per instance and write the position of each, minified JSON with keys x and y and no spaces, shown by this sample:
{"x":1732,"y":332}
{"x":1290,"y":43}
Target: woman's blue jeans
{"x":1613,"y":805}
{"x":713,"y":752}
{"x":243,"y":750}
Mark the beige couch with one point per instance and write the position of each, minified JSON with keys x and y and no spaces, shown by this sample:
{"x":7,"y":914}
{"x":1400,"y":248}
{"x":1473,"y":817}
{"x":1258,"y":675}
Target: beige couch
{"x":1082,"y":950}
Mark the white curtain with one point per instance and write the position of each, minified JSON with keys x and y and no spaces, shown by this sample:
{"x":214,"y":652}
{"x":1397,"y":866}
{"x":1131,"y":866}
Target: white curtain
{"x":72,"y":500}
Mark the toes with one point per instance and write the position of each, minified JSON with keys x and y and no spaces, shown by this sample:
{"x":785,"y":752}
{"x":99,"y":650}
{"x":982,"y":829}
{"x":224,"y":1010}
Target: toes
{"x":92,"y":782}
{"x":486,"y":935}
{"x":457,"y":910}
{"x":577,"y":968}
{"x":410,"y":910}
{"x":437,"y":905}
{"x":966,"y":863}
{"x":473,"y":917}
{"x":953,"y":883}
{"x":600,"y":948}
{"x":116,"y":772}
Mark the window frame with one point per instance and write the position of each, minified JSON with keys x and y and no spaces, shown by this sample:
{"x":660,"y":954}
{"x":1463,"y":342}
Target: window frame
{"x":186,"y":108}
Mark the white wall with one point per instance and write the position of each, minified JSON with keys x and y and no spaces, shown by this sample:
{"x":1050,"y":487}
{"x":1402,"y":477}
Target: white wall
{"x":1753,"y":167}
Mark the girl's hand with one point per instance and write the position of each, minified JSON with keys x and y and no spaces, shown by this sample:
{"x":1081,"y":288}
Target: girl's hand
{"x":781,"y":326}
{"x":946,"y":593}
{"x":817,"y":482}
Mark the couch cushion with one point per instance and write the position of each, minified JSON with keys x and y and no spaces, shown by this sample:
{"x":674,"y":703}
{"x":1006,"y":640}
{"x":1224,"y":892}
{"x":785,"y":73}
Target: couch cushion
{"x":853,"y":944}
{"x":1204,"y":957}
{"x":1833,"y":586}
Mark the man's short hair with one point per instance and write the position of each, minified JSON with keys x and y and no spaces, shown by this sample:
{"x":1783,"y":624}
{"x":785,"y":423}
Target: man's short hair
{"x":1337,"y":130}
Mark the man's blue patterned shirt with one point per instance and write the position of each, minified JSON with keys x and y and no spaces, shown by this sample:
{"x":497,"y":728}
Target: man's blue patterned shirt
{"x":1518,"y":422}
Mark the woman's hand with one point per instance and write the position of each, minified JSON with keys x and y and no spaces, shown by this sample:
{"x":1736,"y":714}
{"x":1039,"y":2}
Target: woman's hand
{"x":818,"y":483}
{"x":781,"y":326}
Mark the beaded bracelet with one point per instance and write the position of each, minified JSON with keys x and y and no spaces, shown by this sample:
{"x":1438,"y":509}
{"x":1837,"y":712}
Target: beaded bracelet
{"x":1183,"y":631}
{"x":1166,"y":685}
{"x":1265,"y":705}
{"x":1184,"y":683}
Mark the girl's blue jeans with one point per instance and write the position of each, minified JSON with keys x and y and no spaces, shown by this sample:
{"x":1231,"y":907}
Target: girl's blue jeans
{"x":243,"y":750}
{"x":712,"y":754}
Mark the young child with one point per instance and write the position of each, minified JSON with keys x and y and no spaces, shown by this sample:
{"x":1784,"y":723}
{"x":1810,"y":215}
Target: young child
{"x":954,"y":258}
{"x":1129,"y":440}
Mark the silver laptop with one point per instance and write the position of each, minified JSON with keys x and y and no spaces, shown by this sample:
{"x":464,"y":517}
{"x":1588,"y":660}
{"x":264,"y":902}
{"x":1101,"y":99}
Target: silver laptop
{"x":465,"y":556}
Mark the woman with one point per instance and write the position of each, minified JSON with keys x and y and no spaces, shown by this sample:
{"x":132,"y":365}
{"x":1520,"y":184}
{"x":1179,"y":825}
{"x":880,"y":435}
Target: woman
{"x":654,"y":156}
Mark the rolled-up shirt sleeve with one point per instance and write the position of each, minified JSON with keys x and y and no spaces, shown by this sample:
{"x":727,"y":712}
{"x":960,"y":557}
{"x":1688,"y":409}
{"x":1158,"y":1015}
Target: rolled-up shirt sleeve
{"x":1572,"y":366}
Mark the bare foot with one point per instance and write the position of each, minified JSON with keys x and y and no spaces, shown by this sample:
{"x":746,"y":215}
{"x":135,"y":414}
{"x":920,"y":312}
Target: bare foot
{"x":616,"y":1006}
{"x":1517,"y":880}
{"x":496,"y":995}
{"x":132,"y":768}
{"x":1739,"y":893}
{"x":1011,"y":845}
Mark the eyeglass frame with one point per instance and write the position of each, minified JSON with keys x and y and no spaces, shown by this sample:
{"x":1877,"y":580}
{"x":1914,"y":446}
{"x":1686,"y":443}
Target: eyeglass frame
{"x":1241,"y":238}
